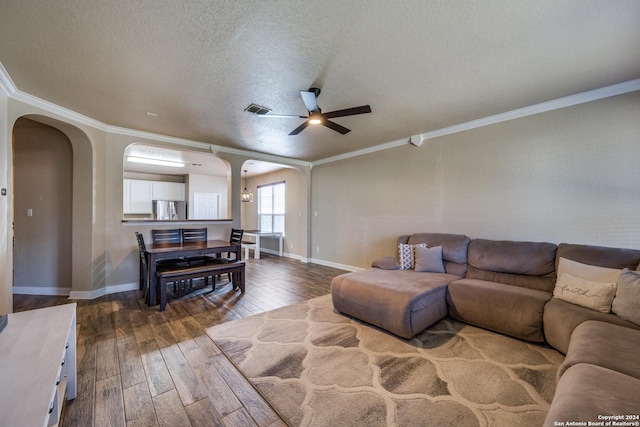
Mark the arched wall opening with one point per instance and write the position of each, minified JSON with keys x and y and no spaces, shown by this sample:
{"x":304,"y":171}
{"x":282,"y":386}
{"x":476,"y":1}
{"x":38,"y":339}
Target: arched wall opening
{"x":85,"y":274}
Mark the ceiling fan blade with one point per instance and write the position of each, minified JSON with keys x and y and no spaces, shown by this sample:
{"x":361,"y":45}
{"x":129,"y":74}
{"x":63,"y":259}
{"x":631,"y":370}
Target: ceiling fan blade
{"x":309,"y":99}
{"x":336,"y":127}
{"x":363,"y":109}
{"x":299,"y":128}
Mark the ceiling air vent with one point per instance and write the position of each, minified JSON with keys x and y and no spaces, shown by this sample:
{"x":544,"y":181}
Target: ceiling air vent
{"x":257,"y":109}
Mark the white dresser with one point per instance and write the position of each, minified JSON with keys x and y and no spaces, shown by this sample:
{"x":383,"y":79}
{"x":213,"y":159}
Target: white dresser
{"x":37,"y":365}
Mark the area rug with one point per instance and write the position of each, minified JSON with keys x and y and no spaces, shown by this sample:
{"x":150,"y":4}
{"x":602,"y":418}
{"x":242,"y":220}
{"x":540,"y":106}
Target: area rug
{"x":318,"y":367}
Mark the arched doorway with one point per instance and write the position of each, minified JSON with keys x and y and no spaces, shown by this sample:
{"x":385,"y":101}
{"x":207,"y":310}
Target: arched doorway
{"x":42,"y":207}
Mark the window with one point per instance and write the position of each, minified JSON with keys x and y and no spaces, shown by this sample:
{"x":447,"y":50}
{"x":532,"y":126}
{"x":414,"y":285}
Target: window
{"x":271,"y":207}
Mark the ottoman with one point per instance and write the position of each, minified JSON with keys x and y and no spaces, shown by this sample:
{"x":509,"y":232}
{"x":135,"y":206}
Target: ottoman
{"x":403,"y":302}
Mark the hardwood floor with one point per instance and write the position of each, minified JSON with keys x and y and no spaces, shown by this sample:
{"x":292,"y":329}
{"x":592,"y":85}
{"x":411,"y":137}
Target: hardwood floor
{"x":140,"y":367}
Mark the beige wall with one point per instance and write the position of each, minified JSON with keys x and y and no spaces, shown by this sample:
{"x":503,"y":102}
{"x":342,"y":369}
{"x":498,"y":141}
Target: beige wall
{"x":295,"y":242}
{"x":569,"y":175}
{"x":42,"y":162}
{"x":6,"y":214}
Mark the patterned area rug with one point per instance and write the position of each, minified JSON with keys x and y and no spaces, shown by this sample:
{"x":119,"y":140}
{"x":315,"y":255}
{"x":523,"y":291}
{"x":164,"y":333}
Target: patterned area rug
{"x":318,"y":367}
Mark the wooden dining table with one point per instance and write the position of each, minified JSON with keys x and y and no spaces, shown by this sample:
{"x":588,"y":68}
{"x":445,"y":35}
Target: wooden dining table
{"x":157,"y":252}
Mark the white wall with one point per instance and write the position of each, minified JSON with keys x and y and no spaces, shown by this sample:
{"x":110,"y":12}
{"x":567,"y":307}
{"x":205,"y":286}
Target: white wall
{"x":570,"y":175}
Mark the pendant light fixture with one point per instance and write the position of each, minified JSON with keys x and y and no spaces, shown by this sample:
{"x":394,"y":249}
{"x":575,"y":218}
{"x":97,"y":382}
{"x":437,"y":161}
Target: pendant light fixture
{"x":246,"y":195}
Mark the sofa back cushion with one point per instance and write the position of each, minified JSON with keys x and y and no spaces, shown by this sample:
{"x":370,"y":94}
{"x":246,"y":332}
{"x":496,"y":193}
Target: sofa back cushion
{"x":454,"y":249}
{"x":600,"y":256}
{"x":526,"y":264}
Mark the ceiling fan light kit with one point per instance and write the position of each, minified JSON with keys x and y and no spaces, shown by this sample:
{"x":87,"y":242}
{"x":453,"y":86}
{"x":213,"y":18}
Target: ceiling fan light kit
{"x":316,"y":116}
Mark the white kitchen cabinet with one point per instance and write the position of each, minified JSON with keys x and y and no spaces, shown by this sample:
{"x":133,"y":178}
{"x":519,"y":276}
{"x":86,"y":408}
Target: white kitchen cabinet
{"x":138,"y":195}
{"x":168,"y":191}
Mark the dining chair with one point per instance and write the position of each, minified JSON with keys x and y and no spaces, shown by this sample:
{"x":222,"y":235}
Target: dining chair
{"x":235,"y":238}
{"x":190,"y":235}
{"x":172,"y":235}
{"x":144,"y":267}
{"x":194,"y":235}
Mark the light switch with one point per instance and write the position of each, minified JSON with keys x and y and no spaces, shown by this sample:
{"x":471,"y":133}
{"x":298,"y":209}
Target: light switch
{"x":29,"y":212}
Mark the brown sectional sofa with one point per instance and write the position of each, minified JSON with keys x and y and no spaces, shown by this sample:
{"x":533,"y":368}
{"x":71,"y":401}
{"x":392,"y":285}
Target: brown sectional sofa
{"x":508,"y":287}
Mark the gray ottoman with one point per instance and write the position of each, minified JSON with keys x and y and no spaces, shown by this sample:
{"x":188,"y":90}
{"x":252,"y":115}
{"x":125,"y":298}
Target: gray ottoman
{"x":403,"y":302}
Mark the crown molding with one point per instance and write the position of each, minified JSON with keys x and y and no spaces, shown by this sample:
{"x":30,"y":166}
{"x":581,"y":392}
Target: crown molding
{"x":9,"y":88}
{"x":543,"y":107}
{"x":6,"y":84}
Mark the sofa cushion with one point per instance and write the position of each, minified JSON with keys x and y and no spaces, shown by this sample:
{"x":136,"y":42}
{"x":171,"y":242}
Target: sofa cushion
{"x":525,"y":264}
{"x":511,"y":310}
{"x":587,"y":271}
{"x":428,"y":259}
{"x":586,"y":293}
{"x":561,"y":318}
{"x":454,"y":249}
{"x":587,"y":392}
{"x":599,"y":255}
{"x":604,"y":344}
{"x":626,"y":302}
{"x":386,"y":263}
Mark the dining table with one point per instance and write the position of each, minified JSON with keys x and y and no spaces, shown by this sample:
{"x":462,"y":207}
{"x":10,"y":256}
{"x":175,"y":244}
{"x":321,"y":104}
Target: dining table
{"x":257,"y":234}
{"x":160,"y":251}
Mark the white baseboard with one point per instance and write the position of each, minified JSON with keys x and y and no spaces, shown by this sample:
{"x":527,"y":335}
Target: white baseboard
{"x":335,"y":265}
{"x":313,"y":260}
{"x":41,"y":290}
{"x":96,"y":293}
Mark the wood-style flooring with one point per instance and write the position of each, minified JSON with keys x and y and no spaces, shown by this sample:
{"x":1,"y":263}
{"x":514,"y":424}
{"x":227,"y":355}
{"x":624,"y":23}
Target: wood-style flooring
{"x":138,"y":366}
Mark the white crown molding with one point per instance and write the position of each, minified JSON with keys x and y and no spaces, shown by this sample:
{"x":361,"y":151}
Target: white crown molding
{"x":9,"y":88}
{"x":543,"y":107}
{"x":6,"y":84}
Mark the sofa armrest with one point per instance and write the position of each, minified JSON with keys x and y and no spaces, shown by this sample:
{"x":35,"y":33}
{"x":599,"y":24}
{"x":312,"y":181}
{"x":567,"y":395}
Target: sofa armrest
{"x":386,"y":263}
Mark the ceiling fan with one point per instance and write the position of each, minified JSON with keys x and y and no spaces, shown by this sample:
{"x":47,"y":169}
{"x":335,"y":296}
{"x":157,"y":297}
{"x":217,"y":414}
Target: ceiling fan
{"x":317,"y":117}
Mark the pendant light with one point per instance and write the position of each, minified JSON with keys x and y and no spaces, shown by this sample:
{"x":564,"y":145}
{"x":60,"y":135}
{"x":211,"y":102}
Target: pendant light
{"x":246,"y":196}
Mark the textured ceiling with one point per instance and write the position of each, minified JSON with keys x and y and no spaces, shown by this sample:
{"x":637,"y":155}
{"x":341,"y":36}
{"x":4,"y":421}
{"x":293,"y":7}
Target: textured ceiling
{"x":421,"y":65}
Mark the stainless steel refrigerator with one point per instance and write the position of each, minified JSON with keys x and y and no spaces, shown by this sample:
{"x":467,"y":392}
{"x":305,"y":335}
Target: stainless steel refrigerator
{"x":169,"y":210}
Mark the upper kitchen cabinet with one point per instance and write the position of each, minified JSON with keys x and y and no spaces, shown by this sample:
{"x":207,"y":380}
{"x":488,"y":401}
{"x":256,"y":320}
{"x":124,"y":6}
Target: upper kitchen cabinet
{"x":139,"y":194}
{"x":156,"y":172}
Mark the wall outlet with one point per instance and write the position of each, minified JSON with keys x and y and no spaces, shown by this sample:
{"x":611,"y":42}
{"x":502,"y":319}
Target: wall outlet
{"x":317,"y":249}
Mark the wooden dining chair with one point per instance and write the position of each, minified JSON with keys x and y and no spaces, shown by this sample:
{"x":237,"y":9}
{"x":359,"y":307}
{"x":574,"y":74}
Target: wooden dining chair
{"x":236,"y":237}
{"x":194,"y":235}
{"x":160,"y":265}
{"x":172,"y":235}
{"x":190,"y":235}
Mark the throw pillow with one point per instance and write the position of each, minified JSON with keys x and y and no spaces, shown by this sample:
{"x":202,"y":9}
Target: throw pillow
{"x":627,"y":299}
{"x":586,"y":271}
{"x":585,"y":292}
{"x":406,"y":256}
{"x":429,"y":259}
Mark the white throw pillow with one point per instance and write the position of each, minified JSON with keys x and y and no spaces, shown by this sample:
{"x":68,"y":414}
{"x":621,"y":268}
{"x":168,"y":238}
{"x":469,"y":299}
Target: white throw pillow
{"x":406,"y":255}
{"x":584,"y":292}
{"x":586,"y":271}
